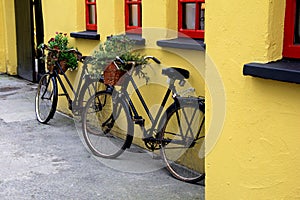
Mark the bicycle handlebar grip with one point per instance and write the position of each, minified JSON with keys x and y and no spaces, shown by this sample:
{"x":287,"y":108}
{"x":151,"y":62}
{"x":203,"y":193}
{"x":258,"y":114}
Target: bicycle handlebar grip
{"x":120,"y":60}
{"x":156,"y":60}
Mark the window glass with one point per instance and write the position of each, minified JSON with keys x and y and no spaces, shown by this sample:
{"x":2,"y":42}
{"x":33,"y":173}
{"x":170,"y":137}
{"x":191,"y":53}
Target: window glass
{"x":133,"y":15}
{"x":92,"y":14}
{"x":189,"y":13}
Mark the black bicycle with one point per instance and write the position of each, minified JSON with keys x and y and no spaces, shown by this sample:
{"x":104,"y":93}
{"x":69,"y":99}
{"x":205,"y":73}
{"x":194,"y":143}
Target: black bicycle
{"x":178,"y":131}
{"x":47,"y":90}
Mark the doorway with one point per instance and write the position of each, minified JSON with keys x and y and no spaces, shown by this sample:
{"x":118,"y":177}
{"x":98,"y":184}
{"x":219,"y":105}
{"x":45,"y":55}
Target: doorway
{"x":29,"y":33}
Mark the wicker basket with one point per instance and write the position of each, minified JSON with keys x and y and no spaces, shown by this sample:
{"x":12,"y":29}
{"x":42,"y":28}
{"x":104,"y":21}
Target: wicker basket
{"x":51,"y":64}
{"x":112,"y":74}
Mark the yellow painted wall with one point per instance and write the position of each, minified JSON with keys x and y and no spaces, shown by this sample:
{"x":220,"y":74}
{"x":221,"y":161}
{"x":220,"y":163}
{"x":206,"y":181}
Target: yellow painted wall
{"x":256,"y":155}
{"x":8,"y":52}
{"x":2,"y":40}
{"x":111,"y":18}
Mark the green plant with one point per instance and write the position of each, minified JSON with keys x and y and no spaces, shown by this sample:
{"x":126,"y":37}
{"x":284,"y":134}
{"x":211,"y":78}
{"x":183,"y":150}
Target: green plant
{"x":122,"y":46}
{"x":60,"y":42}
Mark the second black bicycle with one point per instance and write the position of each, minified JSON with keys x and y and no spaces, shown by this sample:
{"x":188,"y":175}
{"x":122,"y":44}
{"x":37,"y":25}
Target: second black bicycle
{"x":178,"y":130}
{"x":47,"y":91}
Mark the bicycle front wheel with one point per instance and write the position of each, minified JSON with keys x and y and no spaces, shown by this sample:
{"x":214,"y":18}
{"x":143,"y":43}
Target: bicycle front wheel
{"x":182,"y":142}
{"x":89,"y":88}
{"x":106,"y":125}
{"x":46,"y":98}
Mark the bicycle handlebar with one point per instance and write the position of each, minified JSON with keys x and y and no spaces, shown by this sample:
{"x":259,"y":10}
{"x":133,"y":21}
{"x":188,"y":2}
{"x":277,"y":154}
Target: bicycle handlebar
{"x":120,"y":60}
{"x":153,"y":58}
{"x":145,"y":58}
{"x":78,"y":53}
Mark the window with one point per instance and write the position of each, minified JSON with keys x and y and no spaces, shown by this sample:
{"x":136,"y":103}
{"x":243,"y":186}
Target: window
{"x":91,"y":15}
{"x":133,"y":16}
{"x":191,"y":17}
{"x":291,"y":44}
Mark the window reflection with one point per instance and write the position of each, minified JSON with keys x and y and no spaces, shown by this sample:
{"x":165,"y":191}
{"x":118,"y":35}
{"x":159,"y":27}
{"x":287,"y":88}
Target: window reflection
{"x":193,"y":16}
{"x":92,"y":14}
{"x":133,"y":15}
{"x":189,"y":13}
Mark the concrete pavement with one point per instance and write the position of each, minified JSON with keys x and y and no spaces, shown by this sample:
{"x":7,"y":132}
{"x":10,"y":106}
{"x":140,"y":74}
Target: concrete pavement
{"x":40,"y":161}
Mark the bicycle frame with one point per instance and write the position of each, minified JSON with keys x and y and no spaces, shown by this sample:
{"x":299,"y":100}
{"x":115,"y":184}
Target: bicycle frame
{"x":150,"y":135}
{"x":136,"y":117}
{"x":65,"y":92}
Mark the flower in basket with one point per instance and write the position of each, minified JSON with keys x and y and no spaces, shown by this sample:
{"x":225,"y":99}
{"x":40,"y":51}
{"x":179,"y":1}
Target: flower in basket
{"x":60,"y":42}
{"x":122,"y":46}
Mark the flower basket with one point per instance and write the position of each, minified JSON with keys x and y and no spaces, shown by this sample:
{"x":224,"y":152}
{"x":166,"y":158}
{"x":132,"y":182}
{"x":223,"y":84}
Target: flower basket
{"x":67,"y":60}
{"x":112,"y":74}
{"x":104,"y":60}
{"x":51,"y":64}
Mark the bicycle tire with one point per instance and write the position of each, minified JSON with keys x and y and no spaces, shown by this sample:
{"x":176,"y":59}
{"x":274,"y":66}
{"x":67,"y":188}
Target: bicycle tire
{"x":89,"y":88}
{"x":106,"y":125}
{"x":184,"y":154}
{"x":46,"y":98}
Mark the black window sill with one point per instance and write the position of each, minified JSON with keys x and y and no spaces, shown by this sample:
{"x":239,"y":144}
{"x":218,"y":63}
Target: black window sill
{"x":183,"y":43}
{"x":92,"y":35}
{"x":283,"y":70}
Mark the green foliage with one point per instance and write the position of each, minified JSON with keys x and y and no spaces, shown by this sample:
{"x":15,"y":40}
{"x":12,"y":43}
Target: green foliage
{"x":60,"y":41}
{"x":122,"y":46}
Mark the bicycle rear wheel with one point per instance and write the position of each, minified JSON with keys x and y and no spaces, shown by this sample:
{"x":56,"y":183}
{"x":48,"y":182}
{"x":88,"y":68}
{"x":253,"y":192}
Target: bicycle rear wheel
{"x":182,"y":140}
{"x":106,"y":125}
{"x":46,"y":98}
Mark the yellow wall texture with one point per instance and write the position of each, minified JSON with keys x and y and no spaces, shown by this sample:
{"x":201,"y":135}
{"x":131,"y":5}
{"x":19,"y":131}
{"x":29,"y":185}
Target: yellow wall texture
{"x":8,"y":52}
{"x":256,"y":154}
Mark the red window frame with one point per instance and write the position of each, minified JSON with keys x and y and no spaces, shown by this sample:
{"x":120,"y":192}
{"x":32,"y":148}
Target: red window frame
{"x":193,"y":33}
{"x":290,"y":49}
{"x":89,"y":26}
{"x":129,"y":28}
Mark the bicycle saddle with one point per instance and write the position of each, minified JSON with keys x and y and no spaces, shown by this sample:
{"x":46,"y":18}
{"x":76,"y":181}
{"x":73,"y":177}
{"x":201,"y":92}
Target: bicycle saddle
{"x":176,"y":73}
